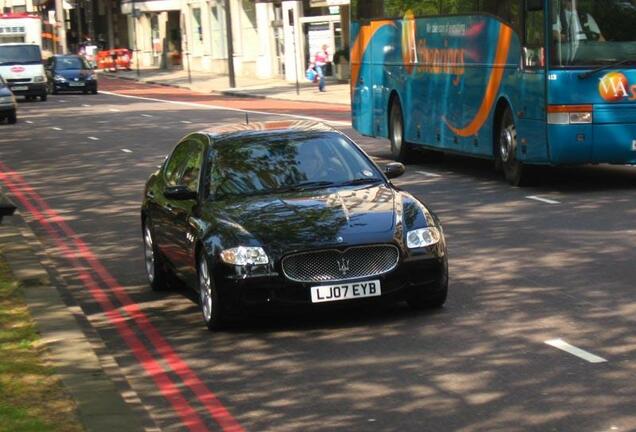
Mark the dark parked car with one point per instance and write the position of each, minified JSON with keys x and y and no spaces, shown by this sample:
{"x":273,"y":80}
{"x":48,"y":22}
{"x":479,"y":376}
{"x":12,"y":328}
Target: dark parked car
{"x":8,"y":105}
{"x":288,"y":214}
{"x":70,"y":73}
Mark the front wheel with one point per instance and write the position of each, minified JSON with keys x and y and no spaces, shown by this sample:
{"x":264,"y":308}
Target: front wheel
{"x":208,"y":296}
{"x":400,"y":149}
{"x":506,"y":155}
{"x":43,"y":97}
{"x":13,"y":118}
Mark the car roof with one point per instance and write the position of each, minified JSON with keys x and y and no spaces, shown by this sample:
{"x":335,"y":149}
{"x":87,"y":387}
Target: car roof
{"x":265,"y":128}
{"x":18,"y":44}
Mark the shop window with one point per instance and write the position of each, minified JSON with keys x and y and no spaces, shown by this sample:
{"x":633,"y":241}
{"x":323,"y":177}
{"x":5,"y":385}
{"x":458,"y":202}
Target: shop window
{"x":217,"y":31}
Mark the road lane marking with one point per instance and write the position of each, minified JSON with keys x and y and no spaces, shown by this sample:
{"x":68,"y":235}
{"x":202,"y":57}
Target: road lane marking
{"x":28,"y":121}
{"x":578,"y":352}
{"x":428,"y":174}
{"x":543,"y":200}
{"x":126,"y":151}
{"x":86,"y":105}
{"x":186,"y":122}
{"x":146,"y":115}
{"x":56,"y":128}
{"x":114,"y":110}
{"x":222,"y":108}
{"x":103,"y":121}
{"x":62,"y":100}
{"x":93,"y":138}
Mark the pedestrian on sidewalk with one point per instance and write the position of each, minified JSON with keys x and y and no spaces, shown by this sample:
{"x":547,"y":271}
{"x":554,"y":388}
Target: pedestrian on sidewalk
{"x":321,"y":58}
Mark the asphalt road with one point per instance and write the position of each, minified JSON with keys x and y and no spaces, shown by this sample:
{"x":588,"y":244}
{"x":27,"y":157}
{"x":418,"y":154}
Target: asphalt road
{"x":555,"y":261}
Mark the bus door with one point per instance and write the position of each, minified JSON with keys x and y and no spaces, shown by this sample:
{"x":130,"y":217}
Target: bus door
{"x":531,"y":128}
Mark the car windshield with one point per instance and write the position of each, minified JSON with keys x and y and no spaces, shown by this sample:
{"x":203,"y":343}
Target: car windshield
{"x":67,"y":63}
{"x":19,"y":55}
{"x":591,"y":33}
{"x":261,"y":164}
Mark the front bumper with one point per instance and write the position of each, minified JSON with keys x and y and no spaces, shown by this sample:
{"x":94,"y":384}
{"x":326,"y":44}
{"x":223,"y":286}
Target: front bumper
{"x":6,"y":109}
{"x":28,"y":89}
{"x":75,"y":86}
{"x":426,"y":271}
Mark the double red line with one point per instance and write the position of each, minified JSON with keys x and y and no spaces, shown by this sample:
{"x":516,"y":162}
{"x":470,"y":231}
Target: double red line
{"x":86,"y":264}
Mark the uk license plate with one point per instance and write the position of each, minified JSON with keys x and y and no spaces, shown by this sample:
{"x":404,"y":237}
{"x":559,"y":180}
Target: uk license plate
{"x":76,"y":84}
{"x":19,"y":88}
{"x":345,"y":291}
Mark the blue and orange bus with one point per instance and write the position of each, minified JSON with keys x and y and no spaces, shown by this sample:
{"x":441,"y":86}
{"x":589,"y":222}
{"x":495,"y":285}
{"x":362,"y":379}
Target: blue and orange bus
{"x":521,"y":82}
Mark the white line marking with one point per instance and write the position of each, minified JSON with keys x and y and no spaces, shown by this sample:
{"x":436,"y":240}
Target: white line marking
{"x":103,"y":121}
{"x":56,"y":128}
{"x":543,"y":200}
{"x":126,"y":151}
{"x":222,"y":108}
{"x":428,"y":174}
{"x":93,"y":138}
{"x":146,"y":115}
{"x":86,"y":105}
{"x":186,"y":122}
{"x":62,"y":100}
{"x":114,"y":110}
{"x":28,"y":121}
{"x":564,"y":346}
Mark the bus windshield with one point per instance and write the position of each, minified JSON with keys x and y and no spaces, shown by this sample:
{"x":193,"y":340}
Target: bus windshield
{"x":591,"y":33}
{"x":19,"y":55}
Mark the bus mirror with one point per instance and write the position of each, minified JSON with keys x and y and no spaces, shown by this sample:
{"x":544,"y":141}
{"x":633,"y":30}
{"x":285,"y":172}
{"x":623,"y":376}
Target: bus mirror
{"x":534,"y":5}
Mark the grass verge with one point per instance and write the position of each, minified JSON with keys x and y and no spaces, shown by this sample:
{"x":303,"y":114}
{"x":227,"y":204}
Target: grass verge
{"x":31,"y":396}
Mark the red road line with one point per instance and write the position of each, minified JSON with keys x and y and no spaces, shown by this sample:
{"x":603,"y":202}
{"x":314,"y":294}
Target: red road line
{"x":218,"y":412}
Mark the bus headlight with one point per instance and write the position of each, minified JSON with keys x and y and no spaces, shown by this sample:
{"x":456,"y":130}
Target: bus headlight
{"x":423,"y":237}
{"x":38,"y":79}
{"x":570,"y":114}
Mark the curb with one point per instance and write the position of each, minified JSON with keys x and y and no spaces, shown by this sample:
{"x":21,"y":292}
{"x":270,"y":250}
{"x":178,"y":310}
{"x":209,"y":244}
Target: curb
{"x":99,"y":402}
{"x":229,"y":93}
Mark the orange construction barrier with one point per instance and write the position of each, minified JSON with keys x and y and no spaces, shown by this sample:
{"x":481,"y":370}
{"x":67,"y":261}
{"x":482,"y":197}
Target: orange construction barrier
{"x":119,"y":58}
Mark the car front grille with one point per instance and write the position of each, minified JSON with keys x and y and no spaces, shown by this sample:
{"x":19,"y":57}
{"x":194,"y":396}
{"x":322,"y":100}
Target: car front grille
{"x":18,"y":80}
{"x":333,"y":265}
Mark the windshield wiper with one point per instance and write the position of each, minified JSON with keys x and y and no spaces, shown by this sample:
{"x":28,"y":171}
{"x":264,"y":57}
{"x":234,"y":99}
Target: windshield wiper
{"x":305,"y":186}
{"x":360,"y":181}
{"x":588,"y":74}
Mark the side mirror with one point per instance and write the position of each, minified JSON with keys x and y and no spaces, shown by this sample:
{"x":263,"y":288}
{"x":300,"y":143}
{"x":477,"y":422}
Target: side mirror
{"x":179,"y":193}
{"x":394,"y":170}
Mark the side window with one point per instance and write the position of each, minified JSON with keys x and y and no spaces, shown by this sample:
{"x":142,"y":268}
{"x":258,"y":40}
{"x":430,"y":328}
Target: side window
{"x":189,"y":174}
{"x":508,"y":11}
{"x":534,"y":38}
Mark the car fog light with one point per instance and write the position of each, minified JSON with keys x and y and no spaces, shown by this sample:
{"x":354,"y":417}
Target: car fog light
{"x":243,"y":255}
{"x":423,"y":237}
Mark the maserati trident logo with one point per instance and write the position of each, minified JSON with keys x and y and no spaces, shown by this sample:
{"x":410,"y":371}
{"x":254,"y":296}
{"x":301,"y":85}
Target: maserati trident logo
{"x":343,"y":266}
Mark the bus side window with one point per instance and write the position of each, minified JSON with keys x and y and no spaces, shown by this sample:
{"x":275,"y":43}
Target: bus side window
{"x":534,"y":38}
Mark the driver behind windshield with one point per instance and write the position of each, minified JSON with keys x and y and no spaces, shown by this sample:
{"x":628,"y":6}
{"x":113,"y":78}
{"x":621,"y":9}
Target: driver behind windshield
{"x":573,"y":25}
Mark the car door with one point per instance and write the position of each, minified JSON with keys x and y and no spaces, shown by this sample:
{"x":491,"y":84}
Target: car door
{"x":180,"y":232}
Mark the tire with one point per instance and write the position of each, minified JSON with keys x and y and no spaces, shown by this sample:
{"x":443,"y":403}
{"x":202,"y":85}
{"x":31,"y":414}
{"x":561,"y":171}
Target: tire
{"x":155,"y":269}
{"x":85,"y":92}
{"x":94,"y":91}
{"x":208,"y":295}
{"x":43,"y":97}
{"x":400,"y":149}
{"x":506,"y":151}
{"x":424,"y":299}
{"x":12,"y":118}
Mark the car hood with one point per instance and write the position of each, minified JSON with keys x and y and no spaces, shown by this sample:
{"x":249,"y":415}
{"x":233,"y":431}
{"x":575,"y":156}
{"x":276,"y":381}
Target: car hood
{"x":312,"y":218}
{"x":70,"y":74}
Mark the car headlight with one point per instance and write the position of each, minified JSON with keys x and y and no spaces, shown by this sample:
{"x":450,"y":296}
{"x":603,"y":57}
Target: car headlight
{"x":59,"y":78}
{"x":38,"y":79}
{"x":423,"y":237}
{"x":90,"y":77}
{"x":243,"y":255}
{"x":6,"y":99}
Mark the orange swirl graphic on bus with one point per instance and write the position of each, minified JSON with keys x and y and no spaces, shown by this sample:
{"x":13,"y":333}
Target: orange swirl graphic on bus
{"x":360,"y":47}
{"x":615,"y":87}
{"x":492,"y":89}
{"x":409,"y":47}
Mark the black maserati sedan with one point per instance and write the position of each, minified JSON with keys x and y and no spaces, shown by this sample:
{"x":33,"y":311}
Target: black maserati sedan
{"x":288,"y":214}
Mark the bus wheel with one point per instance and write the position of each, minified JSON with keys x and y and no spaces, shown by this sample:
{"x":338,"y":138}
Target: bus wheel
{"x":507,"y":150}
{"x":399,"y":147}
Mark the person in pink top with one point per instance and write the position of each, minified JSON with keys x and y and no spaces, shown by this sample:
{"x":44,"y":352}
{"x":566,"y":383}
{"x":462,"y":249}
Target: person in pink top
{"x":321,"y":58}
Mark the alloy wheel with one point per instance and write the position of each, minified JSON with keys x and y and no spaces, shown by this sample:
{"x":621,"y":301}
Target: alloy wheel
{"x":205,"y":291}
{"x":149,"y":255}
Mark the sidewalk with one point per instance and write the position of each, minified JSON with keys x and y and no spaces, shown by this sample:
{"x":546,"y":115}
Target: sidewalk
{"x":337,"y":93}
{"x":63,"y":331}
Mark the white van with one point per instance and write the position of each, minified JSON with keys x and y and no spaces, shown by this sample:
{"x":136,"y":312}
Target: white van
{"x":21,"y":67}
